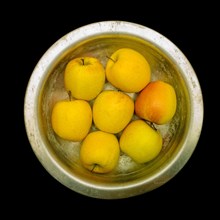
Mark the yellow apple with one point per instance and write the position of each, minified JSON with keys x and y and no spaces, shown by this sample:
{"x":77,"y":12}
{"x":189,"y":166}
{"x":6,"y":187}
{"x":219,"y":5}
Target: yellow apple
{"x":128,"y":70}
{"x":112,"y":111}
{"x":100,"y":152}
{"x":84,"y":77}
{"x":157,"y":102}
{"x":71,"y":120}
{"x":140,"y":141}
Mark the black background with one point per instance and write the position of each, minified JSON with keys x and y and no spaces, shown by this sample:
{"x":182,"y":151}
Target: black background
{"x":30,"y":32}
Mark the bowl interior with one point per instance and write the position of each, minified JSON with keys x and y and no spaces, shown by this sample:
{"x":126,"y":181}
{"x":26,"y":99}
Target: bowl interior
{"x":66,"y":153}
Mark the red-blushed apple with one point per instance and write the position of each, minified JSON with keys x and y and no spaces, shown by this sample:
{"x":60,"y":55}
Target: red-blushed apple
{"x":157,"y":102}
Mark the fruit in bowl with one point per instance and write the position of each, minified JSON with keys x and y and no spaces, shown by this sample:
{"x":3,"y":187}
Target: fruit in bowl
{"x":99,"y":152}
{"x":71,"y":119}
{"x":156,"y":102}
{"x":61,"y":157}
{"x":140,"y":141}
{"x":84,"y":77}
{"x":118,"y":119}
{"x":128,"y":70}
{"x":112,"y":111}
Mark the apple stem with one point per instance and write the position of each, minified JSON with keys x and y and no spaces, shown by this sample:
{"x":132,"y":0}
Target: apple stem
{"x":111,"y":59}
{"x":152,"y":125}
{"x":69,"y":94}
{"x":93,"y":167}
{"x":83,"y":61}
